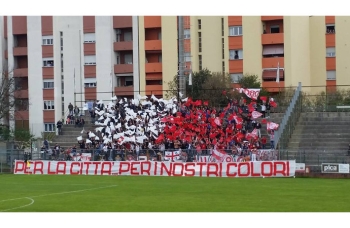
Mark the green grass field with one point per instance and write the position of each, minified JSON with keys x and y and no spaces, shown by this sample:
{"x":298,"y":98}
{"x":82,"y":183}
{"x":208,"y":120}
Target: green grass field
{"x":46,"y":193}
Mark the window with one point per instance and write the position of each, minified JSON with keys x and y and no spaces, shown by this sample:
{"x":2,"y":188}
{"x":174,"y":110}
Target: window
{"x":187,"y":57}
{"x":236,"y":77}
{"x":90,"y":82}
{"x":273,"y":50}
{"x":48,"y":62}
{"x":90,"y":59}
{"x":118,"y":33}
{"x":235,"y":30}
{"x":47,"y":40}
{"x":236,"y":54}
{"x":200,"y":62}
{"x":49,"y":105}
{"x":275,"y":29}
{"x":160,"y":35}
{"x":49,"y":127}
{"x":222,"y":27}
{"x":129,"y":81}
{"x":199,"y":24}
{"x":48,"y":84}
{"x":200,"y":42}
{"x":127,"y":36}
{"x":223,"y":67}
{"x":330,"y":28}
{"x":223,"y":47}
{"x":187,"y":34}
{"x":331,"y":75}
{"x":330,"y":52}
{"x":128,"y":59}
{"x":160,"y":58}
{"x":89,"y":38}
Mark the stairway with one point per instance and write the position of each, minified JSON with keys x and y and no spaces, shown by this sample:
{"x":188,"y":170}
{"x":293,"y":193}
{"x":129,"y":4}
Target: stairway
{"x":320,"y":137}
{"x":70,"y":134}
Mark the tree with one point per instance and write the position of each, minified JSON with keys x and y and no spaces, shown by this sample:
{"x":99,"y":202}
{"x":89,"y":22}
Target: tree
{"x":22,"y":137}
{"x":8,"y":91}
{"x":198,"y":79}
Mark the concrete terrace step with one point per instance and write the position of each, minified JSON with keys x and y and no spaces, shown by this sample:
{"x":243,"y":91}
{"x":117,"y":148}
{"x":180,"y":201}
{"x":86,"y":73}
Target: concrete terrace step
{"x":324,"y":123}
{"x":321,"y":130}
{"x":325,"y":114}
{"x":334,"y":128}
{"x":318,"y":140}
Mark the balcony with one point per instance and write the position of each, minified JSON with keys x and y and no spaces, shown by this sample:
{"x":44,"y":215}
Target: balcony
{"x":20,"y":51}
{"x":153,"y":45}
{"x":272,"y":62}
{"x":330,"y":40}
{"x":22,"y":115}
{"x":123,"y":46}
{"x":273,"y":86}
{"x":272,"y":38}
{"x":236,"y":66}
{"x":235,"y":42}
{"x":47,"y":51}
{"x":271,"y":18}
{"x":90,"y":71}
{"x":20,"y":72}
{"x":153,"y":67}
{"x":154,"y":89}
{"x":48,"y":72}
{"x":153,"y":21}
{"x":122,"y":21}
{"x":123,"y":68}
{"x":330,"y":63}
{"x":90,"y":93}
{"x":89,"y":49}
{"x":124,"y":91}
{"x":21,"y":94}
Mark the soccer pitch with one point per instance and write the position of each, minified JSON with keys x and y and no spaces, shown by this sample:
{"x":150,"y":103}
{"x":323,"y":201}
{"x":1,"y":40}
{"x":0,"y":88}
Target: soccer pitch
{"x":62,"y":193}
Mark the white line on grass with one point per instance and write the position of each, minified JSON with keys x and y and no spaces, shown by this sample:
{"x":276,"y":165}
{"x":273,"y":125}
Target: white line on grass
{"x":59,"y":193}
{"x":27,"y":205}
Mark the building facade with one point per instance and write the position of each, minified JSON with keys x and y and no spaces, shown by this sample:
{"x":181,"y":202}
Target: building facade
{"x":57,"y":60}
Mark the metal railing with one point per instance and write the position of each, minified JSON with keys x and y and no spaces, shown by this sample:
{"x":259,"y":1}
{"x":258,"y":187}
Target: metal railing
{"x":285,"y":130}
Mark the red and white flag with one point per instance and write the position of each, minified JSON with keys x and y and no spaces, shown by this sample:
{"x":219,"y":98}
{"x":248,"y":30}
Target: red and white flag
{"x":172,"y":155}
{"x":272,"y":126}
{"x":217,"y":121}
{"x":251,"y":93}
{"x":253,"y":134}
{"x":256,"y":114}
{"x":220,"y":156}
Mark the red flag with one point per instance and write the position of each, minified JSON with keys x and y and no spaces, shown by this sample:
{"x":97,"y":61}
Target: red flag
{"x":263,"y":98}
{"x":263,"y":121}
{"x":206,"y":103}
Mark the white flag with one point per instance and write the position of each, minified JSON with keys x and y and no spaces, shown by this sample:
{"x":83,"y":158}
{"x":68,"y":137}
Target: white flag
{"x":190,"y":79}
{"x":278,"y":73}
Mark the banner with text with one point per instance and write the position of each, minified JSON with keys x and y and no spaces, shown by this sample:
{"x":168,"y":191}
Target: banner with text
{"x":147,"y":168}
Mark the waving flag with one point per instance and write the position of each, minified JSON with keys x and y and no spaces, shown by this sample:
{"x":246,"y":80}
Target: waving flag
{"x":272,"y":126}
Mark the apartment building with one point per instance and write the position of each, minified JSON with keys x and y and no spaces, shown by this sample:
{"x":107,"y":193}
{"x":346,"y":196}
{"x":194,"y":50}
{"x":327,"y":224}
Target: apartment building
{"x":57,"y":60}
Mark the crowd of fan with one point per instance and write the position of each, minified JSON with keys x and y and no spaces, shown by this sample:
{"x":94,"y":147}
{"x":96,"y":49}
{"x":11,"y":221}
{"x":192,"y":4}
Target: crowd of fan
{"x":128,"y":128}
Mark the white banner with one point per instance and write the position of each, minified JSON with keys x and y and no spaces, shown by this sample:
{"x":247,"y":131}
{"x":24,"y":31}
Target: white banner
{"x":148,"y":168}
{"x":300,"y":167}
{"x":82,"y":157}
{"x":251,"y":93}
{"x":344,"y":168}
